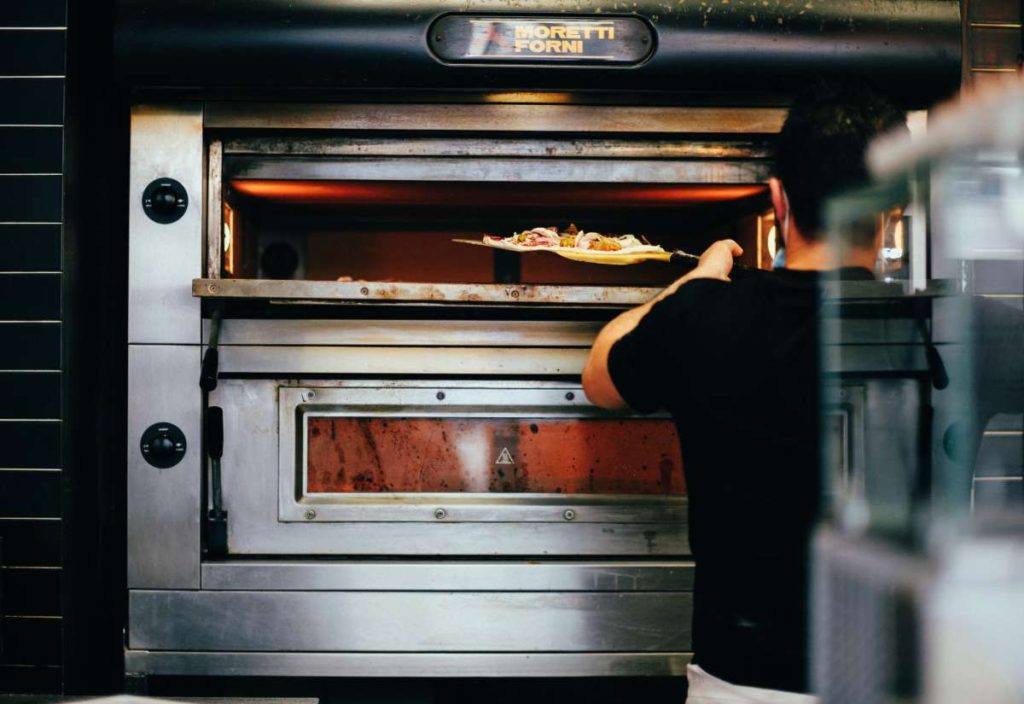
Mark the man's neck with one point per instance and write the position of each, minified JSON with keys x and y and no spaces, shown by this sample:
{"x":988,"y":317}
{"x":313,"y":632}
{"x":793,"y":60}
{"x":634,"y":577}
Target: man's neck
{"x":818,"y":255}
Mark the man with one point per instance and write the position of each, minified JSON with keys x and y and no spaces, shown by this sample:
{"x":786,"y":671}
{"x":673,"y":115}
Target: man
{"x":736,"y":364}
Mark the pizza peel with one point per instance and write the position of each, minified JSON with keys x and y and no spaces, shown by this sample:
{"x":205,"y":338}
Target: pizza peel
{"x":590,"y":256}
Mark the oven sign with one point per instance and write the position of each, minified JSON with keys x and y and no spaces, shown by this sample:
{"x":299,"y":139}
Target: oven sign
{"x":507,"y":39}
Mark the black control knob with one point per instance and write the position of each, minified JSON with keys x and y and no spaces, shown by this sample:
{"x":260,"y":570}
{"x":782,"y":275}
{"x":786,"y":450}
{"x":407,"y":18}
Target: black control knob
{"x":165,"y":200}
{"x":163,"y":445}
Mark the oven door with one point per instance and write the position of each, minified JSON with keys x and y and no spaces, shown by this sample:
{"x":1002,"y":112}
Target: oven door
{"x":349,"y":467}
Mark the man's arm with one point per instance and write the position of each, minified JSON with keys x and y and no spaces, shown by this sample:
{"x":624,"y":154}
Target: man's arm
{"x":715,"y":263}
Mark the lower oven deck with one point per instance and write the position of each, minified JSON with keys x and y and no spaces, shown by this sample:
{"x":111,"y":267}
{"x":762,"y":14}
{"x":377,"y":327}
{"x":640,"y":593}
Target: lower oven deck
{"x":562,"y":573}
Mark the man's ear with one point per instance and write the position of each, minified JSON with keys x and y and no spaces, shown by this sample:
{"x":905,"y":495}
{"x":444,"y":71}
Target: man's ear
{"x":779,"y":201}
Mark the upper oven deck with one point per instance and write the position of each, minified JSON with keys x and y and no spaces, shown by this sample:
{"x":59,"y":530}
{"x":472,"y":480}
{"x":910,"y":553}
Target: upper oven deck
{"x":359,"y":203}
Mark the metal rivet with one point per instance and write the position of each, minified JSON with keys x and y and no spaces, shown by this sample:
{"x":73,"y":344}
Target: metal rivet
{"x":569,"y":514}
{"x":365,"y":291}
{"x":212,"y":288}
{"x":440,"y":395}
{"x":514,"y":293}
{"x":440,"y":514}
{"x":310,"y":395}
{"x":310,"y":514}
{"x":569,"y":396}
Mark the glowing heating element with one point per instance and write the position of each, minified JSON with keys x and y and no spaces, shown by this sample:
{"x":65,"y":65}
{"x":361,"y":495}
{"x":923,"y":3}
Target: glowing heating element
{"x":466,"y":194}
{"x":493,"y":455}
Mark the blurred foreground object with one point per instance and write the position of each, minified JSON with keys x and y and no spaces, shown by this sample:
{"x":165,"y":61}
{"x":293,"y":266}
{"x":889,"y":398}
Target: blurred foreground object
{"x":919,"y":560}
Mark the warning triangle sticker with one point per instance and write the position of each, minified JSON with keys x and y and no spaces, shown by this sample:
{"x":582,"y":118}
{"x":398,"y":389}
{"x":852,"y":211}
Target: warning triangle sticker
{"x":504,"y":457}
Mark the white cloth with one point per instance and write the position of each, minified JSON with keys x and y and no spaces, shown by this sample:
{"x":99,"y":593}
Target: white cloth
{"x":708,"y":689}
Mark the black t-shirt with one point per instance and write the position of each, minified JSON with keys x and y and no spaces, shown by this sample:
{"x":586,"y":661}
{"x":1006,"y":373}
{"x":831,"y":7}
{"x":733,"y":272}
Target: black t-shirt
{"x":736,"y":364}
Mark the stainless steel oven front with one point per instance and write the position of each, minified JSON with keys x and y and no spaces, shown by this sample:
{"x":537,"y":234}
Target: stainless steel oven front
{"x":409,"y":480}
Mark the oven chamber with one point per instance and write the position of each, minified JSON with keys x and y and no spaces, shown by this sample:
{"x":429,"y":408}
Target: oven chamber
{"x":415,"y":484}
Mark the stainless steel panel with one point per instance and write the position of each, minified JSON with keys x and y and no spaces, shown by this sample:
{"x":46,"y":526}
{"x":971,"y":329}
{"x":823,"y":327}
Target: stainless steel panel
{"x":406,"y":333}
{"x":253,"y":534}
{"x":408,"y":664}
{"x":163,"y":504}
{"x":410,"y":621}
{"x":496,"y":118}
{"x":376,"y":291}
{"x":499,"y":169}
{"x":462,"y":400}
{"x":251,"y":495}
{"x":852,"y":359}
{"x":166,"y":142}
{"x":288,"y":360}
{"x":668,"y":148}
{"x":214,"y":209}
{"x":458,"y":576}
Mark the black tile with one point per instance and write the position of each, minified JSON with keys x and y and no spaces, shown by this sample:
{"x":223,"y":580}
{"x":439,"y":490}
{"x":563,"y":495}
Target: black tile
{"x":1006,"y":421}
{"x":36,"y":13}
{"x":31,"y":543}
{"x":29,"y":346}
{"x":30,"y":680}
{"x":1000,"y":456}
{"x":31,"y":592}
{"x":30,"y":444}
{"x":30,"y":248}
{"x":32,"y":101}
{"x":31,"y":150}
{"x":30,"y":641}
{"x":995,"y":10}
{"x":994,"y":47}
{"x":999,"y":497}
{"x":32,"y":52}
{"x":30,"y":296}
{"x":995,"y":276}
{"x":30,"y":198}
{"x":30,"y":395}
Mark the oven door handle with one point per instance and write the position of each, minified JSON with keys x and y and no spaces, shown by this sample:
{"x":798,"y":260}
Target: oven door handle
{"x":217,"y":518}
{"x":211,"y":360}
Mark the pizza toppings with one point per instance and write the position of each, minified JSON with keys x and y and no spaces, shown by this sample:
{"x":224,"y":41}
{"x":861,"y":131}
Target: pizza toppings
{"x":570,"y":238}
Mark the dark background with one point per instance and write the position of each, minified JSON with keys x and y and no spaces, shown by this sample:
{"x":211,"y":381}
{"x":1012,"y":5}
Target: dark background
{"x":63,"y":264}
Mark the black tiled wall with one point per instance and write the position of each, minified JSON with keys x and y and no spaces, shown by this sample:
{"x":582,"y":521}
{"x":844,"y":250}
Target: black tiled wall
{"x":32,"y":69}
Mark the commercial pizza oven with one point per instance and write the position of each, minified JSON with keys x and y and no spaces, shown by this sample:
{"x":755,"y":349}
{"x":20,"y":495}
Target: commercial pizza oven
{"x":358,"y":448}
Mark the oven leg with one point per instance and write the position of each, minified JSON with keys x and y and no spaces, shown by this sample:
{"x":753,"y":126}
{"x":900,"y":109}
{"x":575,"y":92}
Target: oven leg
{"x":136,"y":683}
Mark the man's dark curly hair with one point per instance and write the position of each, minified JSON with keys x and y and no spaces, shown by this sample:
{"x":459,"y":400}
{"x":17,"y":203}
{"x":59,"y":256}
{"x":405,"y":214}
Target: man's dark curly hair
{"x":820,"y":150}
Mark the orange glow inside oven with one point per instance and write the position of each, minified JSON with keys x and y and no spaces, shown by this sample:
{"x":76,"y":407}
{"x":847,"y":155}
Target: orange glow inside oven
{"x":469,"y":194}
{"x":493,"y":455}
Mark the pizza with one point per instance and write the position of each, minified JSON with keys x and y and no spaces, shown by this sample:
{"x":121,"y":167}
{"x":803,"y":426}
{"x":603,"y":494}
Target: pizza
{"x":571,"y":238}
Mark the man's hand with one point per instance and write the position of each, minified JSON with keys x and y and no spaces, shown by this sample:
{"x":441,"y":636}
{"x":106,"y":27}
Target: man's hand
{"x":717,"y":260}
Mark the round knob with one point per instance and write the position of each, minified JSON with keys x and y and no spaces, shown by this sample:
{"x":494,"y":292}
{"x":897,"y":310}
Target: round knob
{"x":161,"y":448}
{"x":163,"y":445}
{"x":164,"y":200}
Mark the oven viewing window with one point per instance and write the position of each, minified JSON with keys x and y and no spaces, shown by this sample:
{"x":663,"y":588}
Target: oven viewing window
{"x":366,"y":451}
{"x":491,"y":455}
